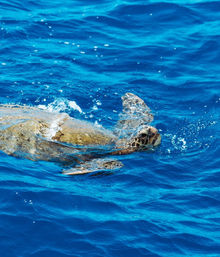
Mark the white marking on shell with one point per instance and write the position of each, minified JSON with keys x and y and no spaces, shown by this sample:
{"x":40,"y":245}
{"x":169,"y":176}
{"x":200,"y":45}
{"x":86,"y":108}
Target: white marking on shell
{"x":55,"y":125}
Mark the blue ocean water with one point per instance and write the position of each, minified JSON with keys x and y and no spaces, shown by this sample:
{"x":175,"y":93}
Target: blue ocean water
{"x":164,"y":203}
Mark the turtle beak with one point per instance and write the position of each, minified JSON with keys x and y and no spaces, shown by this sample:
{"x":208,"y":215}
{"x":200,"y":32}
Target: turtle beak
{"x":149,"y":137}
{"x":156,"y":140}
{"x":155,"y":137}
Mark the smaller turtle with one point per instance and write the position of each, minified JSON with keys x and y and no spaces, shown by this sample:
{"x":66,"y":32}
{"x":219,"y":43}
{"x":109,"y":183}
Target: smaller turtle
{"x":80,"y":146}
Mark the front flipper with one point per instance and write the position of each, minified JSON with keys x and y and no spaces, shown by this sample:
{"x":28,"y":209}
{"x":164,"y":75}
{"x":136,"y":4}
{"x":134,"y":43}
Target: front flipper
{"x":94,"y":165}
{"x":135,"y":114}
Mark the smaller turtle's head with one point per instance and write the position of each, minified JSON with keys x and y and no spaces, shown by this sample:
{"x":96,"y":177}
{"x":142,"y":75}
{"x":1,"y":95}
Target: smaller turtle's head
{"x":147,"y":137}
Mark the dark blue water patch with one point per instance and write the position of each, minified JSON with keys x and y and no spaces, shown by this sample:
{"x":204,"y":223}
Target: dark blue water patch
{"x":50,"y":253}
{"x":161,"y":13}
{"x":206,"y":8}
{"x":13,"y":5}
{"x":105,"y":20}
{"x":212,"y":179}
{"x":194,"y":243}
{"x":205,"y":53}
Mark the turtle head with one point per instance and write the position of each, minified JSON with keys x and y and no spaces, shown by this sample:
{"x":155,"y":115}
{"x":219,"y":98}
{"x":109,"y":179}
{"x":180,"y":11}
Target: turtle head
{"x":146,"y":138}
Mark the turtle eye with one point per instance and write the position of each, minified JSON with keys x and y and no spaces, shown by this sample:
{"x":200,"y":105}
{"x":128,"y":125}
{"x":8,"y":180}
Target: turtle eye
{"x":150,"y":133}
{"x":143,"y":135}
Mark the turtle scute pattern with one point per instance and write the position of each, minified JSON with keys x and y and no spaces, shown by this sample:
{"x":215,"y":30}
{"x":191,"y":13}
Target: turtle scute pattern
{"x":81,"y":138}
{"x":20,"y":137}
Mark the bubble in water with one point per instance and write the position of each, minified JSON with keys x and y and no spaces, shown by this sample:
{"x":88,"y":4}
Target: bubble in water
{"x":94,"y":108}
{"x":98,"y":102}
{"x":179,"y":143}
{"x":183,"y":141}
{"x":97,"y":124}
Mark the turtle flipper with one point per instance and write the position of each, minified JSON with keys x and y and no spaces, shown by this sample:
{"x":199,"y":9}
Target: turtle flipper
{"x":135,"y":113}
{"x":94,"y":165}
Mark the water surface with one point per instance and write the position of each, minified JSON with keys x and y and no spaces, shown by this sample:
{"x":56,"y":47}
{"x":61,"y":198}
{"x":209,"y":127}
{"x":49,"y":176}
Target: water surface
{"x":80,"y":57}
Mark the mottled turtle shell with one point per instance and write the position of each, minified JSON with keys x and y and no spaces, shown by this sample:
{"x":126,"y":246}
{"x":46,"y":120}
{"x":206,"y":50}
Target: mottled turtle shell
{"x":38,"y":134}
{"x":56,"y":126}
{"x":35,"y":131}
{"x":79,"y":132}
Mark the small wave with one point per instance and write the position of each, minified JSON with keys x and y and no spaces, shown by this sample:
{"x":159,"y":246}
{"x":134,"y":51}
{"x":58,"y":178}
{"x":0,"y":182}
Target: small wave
{"x":61,"y":105}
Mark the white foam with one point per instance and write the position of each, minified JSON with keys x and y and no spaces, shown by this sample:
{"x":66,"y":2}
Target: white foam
{"x":75,"y":106}
{"x":55,"y":125}
{"x":43,"y":107}
{"x":61,"y":105}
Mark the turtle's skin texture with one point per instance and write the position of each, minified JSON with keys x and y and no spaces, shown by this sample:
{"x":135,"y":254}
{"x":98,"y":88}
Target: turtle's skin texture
{"x":37,"y":134}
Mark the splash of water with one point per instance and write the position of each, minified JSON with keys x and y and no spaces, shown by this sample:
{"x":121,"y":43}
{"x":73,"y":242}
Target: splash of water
{"x":61,"y":105}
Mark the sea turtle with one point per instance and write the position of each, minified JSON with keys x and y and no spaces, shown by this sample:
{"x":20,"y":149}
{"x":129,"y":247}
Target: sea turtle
{"x":78,"y":145}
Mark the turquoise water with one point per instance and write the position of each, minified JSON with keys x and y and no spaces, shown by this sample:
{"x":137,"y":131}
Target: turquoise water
{"x":164,"y":203}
